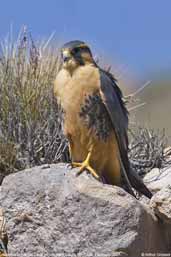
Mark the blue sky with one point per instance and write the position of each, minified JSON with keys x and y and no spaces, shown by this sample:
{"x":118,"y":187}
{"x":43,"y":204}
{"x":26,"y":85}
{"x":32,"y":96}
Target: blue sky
{"x":133,"y":33}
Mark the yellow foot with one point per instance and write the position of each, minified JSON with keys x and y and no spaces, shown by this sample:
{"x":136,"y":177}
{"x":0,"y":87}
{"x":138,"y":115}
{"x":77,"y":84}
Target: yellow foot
{"x":85,"y":166}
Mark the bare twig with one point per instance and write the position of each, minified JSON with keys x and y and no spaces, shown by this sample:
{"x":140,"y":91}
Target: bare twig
{"x":136,"y":107}
{"x":128,"y":98}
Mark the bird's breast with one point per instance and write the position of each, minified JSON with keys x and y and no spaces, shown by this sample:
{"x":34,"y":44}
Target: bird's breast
{"x":84,"y":112}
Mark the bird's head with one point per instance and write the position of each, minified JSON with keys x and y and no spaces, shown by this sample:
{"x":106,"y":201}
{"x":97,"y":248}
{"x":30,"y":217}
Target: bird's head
{"x":74,"y":54}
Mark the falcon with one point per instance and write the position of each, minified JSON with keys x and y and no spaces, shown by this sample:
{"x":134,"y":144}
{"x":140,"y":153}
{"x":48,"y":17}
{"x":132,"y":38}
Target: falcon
{"x":95,"y":118}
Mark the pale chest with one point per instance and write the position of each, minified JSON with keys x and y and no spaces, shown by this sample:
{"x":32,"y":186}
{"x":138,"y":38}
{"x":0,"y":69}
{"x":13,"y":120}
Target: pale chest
{"x":82,"y":105}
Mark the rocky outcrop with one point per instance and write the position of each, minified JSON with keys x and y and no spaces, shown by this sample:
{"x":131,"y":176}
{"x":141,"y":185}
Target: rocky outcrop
{"x":161,"y":204}
{"x":157,"y":179}
{"x":51,"y":212}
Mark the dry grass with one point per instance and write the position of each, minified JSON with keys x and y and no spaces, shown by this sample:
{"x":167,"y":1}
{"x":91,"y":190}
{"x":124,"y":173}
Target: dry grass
{"x":30,"y":128}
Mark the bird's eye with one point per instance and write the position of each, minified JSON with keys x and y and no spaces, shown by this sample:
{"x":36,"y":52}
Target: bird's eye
{"x":75,"y":50}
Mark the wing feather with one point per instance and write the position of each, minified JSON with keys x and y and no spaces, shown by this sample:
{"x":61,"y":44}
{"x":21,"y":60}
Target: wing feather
{"x":111,"y":96}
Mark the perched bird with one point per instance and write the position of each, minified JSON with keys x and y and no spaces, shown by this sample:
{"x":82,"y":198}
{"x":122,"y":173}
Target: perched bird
{"x":95,"y":119}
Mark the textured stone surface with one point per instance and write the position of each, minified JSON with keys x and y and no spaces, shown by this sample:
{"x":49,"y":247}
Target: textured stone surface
{"x":51,"y":212}
{"x":161,"y":204}
{"x":157,"y":179}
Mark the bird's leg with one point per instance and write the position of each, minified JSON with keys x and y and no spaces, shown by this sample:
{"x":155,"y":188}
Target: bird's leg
{"x":85,"y":165}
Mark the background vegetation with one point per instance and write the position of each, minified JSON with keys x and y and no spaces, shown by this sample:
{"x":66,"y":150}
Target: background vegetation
{"x":30,"y":128}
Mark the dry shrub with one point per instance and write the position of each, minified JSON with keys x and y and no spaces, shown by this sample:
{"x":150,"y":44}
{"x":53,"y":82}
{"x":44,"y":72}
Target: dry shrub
{"x":30,"y":127}
{"x":147,"y":150}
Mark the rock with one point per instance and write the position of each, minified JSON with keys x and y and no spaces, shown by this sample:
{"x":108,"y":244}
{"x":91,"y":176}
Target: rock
{"x":51,"y":212}
{"x":161,"y":204}
{"x":152,"y":175}
{"x":157,"y":179}
{"x":159,"y":182}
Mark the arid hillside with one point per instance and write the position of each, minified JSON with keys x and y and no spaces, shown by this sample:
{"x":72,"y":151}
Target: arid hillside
{"x":156,"y":112}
